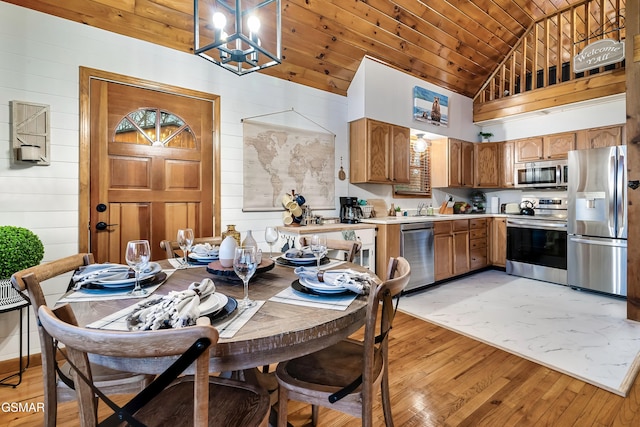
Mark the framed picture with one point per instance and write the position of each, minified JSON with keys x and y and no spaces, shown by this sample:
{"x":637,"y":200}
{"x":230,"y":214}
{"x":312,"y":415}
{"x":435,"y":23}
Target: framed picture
{"x":430,"y":107}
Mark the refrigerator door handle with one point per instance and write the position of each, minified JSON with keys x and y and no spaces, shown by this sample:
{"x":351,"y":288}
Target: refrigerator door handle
{"x":616,"y":243}
{"x":612,"y":190}
{"x":621,"y":193}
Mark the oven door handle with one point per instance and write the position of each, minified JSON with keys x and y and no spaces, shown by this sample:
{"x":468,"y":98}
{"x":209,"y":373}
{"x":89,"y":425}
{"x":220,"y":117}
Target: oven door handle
{"x":536,"y":224}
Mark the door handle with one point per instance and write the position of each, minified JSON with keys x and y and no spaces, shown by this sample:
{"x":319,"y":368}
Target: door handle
{"x":103,"y":225}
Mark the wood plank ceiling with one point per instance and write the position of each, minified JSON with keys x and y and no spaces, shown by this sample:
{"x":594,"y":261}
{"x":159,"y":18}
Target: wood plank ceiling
{"x":454,"y":44}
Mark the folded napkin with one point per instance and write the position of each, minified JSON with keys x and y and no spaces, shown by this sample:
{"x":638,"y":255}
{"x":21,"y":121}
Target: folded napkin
{"x":352,"y":280}
{"x":177,"y":309}
{"x":96,"y":272}
{"x":299,"y":253}
{"x":205,"y":249}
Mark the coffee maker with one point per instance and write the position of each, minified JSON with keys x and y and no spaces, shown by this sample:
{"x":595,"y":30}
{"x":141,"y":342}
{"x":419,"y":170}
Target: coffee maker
{"x":350,"y":212}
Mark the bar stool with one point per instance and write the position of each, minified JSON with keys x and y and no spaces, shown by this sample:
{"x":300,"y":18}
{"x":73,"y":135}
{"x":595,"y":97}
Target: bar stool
{"x":11,"y":300}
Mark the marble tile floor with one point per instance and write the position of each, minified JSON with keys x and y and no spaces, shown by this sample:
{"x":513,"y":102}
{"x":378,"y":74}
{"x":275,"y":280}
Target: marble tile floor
{"x":581,"y":334}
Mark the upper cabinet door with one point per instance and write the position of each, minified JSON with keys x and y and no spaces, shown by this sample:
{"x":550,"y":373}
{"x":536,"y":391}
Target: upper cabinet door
{"x":400,"y":149}
{"x":557,"y":146}
{"x":529,"y":150}
{"x":602,"y":137}
{"x":379,"y":152}
{"x":486,"y":167}
{"x":379,"y":138}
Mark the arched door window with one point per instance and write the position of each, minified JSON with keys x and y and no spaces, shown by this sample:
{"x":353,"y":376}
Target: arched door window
{"x":152,"y":126}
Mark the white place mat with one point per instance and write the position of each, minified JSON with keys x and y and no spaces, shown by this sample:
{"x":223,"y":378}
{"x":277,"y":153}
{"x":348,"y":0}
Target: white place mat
{"x":83,"y":296}
{"x":228,"y":328}
{"x":290,"y":296}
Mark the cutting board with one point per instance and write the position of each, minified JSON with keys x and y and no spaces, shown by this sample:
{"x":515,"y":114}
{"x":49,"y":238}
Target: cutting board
{"x":380,"y":208}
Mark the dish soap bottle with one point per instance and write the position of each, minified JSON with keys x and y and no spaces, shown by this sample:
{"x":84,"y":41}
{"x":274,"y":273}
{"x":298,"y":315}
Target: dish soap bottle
{"x":249,"y":240}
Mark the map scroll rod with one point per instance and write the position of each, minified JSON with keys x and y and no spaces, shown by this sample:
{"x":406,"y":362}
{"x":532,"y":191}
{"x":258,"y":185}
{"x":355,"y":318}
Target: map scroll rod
{"x":291,"y":110}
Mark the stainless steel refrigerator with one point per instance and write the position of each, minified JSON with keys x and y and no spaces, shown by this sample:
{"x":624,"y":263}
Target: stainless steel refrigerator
{"x":597,"y":220}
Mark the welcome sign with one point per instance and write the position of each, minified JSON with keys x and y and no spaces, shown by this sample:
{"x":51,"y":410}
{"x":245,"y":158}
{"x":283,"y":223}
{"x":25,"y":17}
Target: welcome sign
{"x":599,"y":54}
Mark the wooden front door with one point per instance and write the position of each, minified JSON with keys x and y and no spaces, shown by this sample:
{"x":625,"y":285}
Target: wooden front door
{"x":151,"y":167}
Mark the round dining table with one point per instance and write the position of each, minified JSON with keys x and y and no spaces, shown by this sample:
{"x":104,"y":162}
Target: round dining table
{"x":276,"y":332}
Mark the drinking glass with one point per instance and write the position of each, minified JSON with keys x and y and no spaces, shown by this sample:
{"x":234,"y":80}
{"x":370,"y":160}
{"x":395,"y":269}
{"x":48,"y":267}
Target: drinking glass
{"x":138,"y":255}
{"x":271,"y":236}
{"x":318,"y":246}
{"x":244,"y":264}
{"x":185,"y":240}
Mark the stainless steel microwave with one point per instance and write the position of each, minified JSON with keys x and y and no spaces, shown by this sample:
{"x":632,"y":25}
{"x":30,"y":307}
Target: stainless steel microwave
{"x":547,"y":174}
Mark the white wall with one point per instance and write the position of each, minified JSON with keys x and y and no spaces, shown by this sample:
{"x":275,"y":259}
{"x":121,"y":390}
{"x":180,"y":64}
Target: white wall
{"x":388,"y":96}
{"x":40,"y":56}
{"x":381,"y":92}
{"x":590,"y":114}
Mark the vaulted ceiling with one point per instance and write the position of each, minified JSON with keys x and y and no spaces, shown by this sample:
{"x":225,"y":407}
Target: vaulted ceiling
{"x":454,"y":44}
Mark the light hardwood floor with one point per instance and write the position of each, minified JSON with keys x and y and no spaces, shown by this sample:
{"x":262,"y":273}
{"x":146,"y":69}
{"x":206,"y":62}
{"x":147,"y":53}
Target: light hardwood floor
{"x":438,"y":378}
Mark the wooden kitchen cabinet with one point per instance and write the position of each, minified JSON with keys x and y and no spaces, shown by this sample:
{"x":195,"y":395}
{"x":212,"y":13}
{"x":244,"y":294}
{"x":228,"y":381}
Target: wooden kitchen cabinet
{"x":379,"y":152}
{"x":498,"y":242}
{"x":601,"y":137}
{"x":387,"y":246}
{"x":460,"y":246}
{"x":529,"y":149}
{"x":486,"y":168}
{"x":442,"y":250}
{"x":477,"y":243}
{"x":452,"y":163}
{"x":548,"y":147}
{"x":557,"y":146}
{"x":505,"y":164}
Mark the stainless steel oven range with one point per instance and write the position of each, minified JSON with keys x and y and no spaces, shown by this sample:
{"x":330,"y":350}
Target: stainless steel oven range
{"x":537,"y":245}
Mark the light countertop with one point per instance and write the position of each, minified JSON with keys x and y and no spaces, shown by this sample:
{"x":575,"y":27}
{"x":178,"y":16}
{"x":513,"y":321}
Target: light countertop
{"x":427,"y":218}
{"x":326,"y":228}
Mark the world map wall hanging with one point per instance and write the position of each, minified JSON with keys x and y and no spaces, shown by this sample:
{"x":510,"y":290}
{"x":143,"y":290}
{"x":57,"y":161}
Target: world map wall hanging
{"x":278,"y":159}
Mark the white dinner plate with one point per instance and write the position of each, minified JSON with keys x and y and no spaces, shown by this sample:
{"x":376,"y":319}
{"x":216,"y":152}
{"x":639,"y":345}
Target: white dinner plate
{"x":213,"y":303}
{"x":321,"y":286}
{"x":198,"y":257}
{"x":292,"y":256}
{"x":153,"y":269}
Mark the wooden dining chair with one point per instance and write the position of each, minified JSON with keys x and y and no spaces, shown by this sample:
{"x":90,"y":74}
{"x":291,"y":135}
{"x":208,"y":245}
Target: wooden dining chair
{"x":349,"y":247}
{"x":344,"y":376}
{"x":172,"y":399}
{"x":171,"y":247}
{"x":57,"y":381}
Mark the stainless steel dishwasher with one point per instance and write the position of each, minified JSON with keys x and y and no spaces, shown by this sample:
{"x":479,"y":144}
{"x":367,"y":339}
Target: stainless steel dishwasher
{"x":416,"y":245}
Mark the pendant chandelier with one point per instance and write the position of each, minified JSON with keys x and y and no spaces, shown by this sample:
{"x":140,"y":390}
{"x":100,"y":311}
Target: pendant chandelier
{"x":237,"y":35}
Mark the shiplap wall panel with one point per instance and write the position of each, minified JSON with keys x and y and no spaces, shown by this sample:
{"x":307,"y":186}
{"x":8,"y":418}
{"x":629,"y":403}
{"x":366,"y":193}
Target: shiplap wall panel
{"x":40,"y":56}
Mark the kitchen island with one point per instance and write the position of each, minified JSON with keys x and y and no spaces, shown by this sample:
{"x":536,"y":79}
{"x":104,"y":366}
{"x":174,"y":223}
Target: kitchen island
{"x":461,"y":242}
{"x":364,"y":232}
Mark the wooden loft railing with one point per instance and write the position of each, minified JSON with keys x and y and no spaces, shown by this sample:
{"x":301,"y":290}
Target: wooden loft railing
{"x":538,"y":72}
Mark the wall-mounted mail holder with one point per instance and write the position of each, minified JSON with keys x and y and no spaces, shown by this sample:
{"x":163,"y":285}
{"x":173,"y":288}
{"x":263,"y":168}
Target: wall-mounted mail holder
{"x":30,"y":133}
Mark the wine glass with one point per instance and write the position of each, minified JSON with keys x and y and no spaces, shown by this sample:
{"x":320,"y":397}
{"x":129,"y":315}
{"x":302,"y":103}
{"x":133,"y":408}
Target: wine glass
{"x":138,"y":255}
{"x":244,"y":264}
{"x":318,"y":246}
{"x":185,"y":240}
{"x":271,"y":236}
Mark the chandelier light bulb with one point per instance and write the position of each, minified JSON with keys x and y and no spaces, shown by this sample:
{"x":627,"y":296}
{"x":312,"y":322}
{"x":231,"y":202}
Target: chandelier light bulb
{"x":253,"y":23}
{"x":219,"y":20}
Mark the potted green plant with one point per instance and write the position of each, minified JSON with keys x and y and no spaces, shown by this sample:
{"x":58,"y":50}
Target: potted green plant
{"x":485,"y":136}
{"x":20,"y":248}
